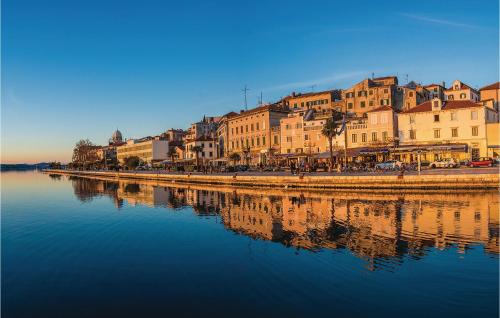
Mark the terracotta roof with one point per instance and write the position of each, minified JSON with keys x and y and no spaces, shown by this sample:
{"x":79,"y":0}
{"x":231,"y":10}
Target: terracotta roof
{"x":270,"y":107}
{"x":491,"y":86}
{"x":462,"y":86}
{"x":380,"y":109}
{"x":452,"y":104}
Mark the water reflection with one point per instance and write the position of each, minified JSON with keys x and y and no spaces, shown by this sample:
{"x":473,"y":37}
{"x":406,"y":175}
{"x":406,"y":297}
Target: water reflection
{"x":380,"y":228}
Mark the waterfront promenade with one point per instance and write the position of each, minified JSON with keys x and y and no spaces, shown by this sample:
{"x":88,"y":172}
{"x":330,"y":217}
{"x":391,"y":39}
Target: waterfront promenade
{"x":429,"y":179}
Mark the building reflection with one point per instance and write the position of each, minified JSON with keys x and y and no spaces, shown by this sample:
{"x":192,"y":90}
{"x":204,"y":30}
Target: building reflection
{"x":381,"y":228}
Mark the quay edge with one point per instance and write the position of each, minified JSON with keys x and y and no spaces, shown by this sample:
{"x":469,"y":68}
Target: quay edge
{"x":449,"y":182}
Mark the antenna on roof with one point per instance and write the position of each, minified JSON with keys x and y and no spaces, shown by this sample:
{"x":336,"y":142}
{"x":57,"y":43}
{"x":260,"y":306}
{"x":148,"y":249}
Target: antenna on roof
{"x":406,"y":78}
{"x":373,"y":75}
{"x":312,"y":87}
{"x":260,"y":101}
{"x":245,"y":90}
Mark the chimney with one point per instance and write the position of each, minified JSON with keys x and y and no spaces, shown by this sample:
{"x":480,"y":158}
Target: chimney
{"x":241,"y":111}
{"x":294,"y":94}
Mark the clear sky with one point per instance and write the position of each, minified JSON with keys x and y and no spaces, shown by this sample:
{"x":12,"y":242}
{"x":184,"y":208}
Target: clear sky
{"x":82,"y":68}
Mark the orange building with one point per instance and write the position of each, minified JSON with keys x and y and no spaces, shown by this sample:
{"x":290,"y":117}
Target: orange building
{"x":491,"y":93}
{"x":249,"y":132}
{"x":314,"y":100}
{"x":461,"y":91}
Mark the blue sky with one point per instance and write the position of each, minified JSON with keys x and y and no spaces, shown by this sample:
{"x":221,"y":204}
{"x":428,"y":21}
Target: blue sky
{"x":80,"y":69}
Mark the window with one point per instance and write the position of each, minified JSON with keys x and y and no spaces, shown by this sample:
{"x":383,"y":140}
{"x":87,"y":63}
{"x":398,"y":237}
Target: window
{"x":257,"y":126}
{"x":354,"y":138}
{"x":475,"y":131}
{"x":363,"y":104}
{"x":251,"y":127}
{"x":437,"y":133}
{"x":450,"y":97}
{"x":294,"y":105}
{"x":306,"y":137}
{"x":370,"y":103}
{"x":473,"y":115}
{"x":210,"y":145}
{"x":453,"y":116}
{"x":236,"y":129}
{"x":232,"y":144}
{"x":298,"y":125}
{"x":263,"y":141}
{"x":246,"y":128}
{"x":258,"y":141}
{"x":363,"y":137}
{"x":413,"y":134}
{"x":383,"y":118}
{"x":386,"y":91}
{"x":436,"y":118}
{"x":412,"y":119}
{"x":211,"y":154}
{"x":252,"y":143}
{"x":384,"y":135}
{"x":349,"y":105}
{"x":289,"y":138}
{"x":435,"y":104}
{"x":374,"y":136}
{"x":463,"y":96}
{"x":410,"y":94}
{"x":373,"y":119}
{"x":371,"y":92}
{"x":275,"y":140}
{"x":454,"y":132}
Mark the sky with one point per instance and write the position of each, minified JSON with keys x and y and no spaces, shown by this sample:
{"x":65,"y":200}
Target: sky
{"x":83,"y":68}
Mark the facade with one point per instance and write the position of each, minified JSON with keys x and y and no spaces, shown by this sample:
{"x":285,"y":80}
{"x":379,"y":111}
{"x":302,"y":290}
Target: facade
{"x":371,"y":138}
{"x":444,"y":129}
{"x":314,"y":100}
{"x":148,"y":150}
{"x":249,"y":132}
{"x":208,"y":149}
{"x":174,"y":135}
{"x":370,"y":94}
{"x":491,"y":93}
{"x":413,"y":94}
{"x":493,"y":139}
{"x":222,"y":134}
{"x":461,"y":91}
{"x":436,"y":91}
{"x":207,"y":127}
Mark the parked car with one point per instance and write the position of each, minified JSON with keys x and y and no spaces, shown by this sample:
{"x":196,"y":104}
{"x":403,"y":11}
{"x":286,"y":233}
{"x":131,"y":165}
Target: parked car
{"x":445,"y":163}
{"x":481,"y":162}
{"x":388,"y":165}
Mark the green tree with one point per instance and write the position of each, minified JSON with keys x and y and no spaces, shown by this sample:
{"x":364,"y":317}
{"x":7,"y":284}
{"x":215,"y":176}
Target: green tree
{"x":172,"y":154}
{"x":235,"y":157}
{"x":331,"y":129}
{"x":132,"y":162}
{"x":84,"y":153}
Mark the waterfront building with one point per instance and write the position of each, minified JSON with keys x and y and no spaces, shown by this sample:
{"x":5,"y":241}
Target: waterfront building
{"x":444,"y":129}
{"x":249,"y":132}
{"x":148,"y":149}
{"x":461,"y":91}
{"x":491,"y":93}
{"x":302,"y":138}
{"x":207,"y":146}
{"x":492,"y":137}
{"x":222,"y":134}
{"x":373,"y":93}
{"x":318,"y":101}
{"x":174,"y":135}
{"x":413,"y":94}
{"x":207,"y":127}
{"x":371,"y":137}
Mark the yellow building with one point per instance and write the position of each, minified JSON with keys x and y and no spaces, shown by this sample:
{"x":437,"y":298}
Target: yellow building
{"x":491,"y":93}
{"x":461,"y":91}
{"x":371,"y":138}
{"x":493,"y":139}
{"x":249,"y":132}
{"x":148,"y":150}
{"x":444,"y":129}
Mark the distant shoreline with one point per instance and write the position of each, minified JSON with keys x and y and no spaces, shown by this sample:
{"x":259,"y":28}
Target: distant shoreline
{"x":437,"y":181}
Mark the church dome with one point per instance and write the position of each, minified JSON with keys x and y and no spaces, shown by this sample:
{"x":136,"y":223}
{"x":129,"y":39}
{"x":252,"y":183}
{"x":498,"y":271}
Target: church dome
{"x":117,"y":136}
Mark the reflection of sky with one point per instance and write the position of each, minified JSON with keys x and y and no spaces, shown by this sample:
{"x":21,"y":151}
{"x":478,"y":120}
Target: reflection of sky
{"x":80,"y":69}
{"x":146,"y":261}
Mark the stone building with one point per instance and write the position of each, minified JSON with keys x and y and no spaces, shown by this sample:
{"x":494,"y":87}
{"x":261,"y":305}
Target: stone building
{"x":461,"y":91}
{"x":491,"y":93}
{"x":315,"y":100}
{"x":445,"y":129}
{"x":249,"y":132}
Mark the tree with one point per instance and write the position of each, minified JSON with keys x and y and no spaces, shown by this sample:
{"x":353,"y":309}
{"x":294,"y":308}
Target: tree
{"x":331,"y":129}
{"x":172,"y":154}
{"x":85,"y":152}
{"x":235,"y":157}
{"x":196,"y":150}
{"x":132,"y":162}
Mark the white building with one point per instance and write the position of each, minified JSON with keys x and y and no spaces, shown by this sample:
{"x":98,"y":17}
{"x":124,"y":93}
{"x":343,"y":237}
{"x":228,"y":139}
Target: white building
{"x":147,"y":149}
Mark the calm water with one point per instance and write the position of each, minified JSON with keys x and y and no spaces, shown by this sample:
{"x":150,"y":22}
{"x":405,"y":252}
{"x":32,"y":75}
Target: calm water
{"x":75,"y":247}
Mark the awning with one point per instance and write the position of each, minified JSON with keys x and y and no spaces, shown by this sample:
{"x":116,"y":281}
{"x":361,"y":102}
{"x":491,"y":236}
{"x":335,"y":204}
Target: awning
{"x":373,"y":151}
{"x":439,"y":147}
{"x":494,"y":146}
{"x":220,"y":160}
{"x":325,"y":155}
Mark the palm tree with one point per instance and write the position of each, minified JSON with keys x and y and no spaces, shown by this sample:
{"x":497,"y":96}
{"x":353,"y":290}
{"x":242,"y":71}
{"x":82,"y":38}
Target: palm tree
{"x":331,"y":129}
{"x":196,"y":150}
{"x":235,"y":157}
{"x":172,"y":154}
